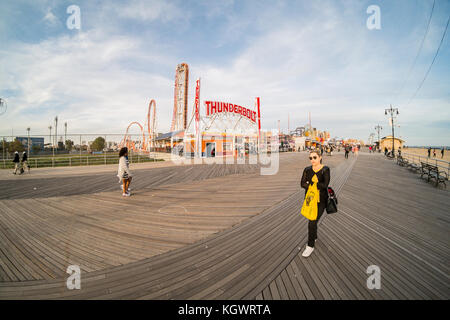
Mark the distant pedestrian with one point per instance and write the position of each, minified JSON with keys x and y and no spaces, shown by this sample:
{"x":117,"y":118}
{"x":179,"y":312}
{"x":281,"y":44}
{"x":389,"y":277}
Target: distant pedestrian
{"x":16,"y":161}
{"x":429,"y":152}
{"x":385,"y":151}
{"x":25,"y":161}
{"x":346,"y":151}
{"x":315,"y":176}
{"x":124,"y":172}
{"x":434,"y":153}
{"x":442,"y":152}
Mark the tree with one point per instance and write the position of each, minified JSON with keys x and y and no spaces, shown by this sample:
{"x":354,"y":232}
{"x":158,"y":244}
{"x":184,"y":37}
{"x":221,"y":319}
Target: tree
{"x":98,"y":144}
{"x":36,"y":148}
{"x":69,"y":145}
{"x":16,"y":145}
{"x":4,"y":145}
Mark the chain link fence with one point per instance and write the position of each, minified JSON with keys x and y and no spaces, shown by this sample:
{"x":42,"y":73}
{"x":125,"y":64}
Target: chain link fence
{"x":75,"y":150}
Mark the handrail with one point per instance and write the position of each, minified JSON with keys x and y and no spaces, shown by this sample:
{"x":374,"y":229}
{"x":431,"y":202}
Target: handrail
{"x":80,"y":160}
{"x":415,"y":158}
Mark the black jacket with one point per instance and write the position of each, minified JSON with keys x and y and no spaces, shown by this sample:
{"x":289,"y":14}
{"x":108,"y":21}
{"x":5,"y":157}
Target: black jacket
{"x":323,"y":175}
{"x":24,"y":157}
{"x":16,"y":158}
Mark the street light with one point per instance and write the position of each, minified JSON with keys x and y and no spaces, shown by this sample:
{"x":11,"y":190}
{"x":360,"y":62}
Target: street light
{"x":378,"y":128}
{"x":56,"y":132}
{"x":50,"y":136}
{"x":391,"y":113}
{"x":53,"y":146}
{"x":28,"y":129}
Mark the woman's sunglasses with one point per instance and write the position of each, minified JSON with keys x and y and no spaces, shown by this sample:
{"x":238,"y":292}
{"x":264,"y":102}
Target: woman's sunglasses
{"x":315,"y":157}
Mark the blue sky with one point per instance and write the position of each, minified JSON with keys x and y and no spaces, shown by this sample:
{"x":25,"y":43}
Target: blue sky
{"x":298,"y":56}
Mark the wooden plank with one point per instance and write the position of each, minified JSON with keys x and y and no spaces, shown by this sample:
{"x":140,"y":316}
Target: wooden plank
{"x":219,"y":252}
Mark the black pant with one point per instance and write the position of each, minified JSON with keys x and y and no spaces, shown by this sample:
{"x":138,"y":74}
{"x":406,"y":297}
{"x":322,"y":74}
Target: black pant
{"x":346,"y":155}
{"x":312,"y":225}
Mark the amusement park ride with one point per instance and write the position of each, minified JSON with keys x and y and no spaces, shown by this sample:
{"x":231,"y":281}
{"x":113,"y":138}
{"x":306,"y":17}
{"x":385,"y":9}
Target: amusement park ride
{"x":146,"y":142}
{"x":224,"y":129}
{"x":179,"y":119}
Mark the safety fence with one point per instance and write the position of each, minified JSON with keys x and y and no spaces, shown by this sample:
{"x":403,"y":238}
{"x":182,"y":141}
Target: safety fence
{"x":444,"y":166}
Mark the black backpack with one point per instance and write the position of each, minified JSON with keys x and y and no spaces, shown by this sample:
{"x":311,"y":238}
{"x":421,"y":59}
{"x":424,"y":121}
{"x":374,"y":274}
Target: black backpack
{"x":332,"y":201}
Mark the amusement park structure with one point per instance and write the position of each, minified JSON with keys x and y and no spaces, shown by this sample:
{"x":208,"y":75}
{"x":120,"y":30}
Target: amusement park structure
{"x":216,"y":128}
{"x":148,"y":132}
{"x":180,"y":107}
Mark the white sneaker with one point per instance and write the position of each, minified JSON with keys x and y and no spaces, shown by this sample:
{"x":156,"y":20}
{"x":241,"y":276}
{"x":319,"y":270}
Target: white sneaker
{"x":308,"y":251}
{"x":125,"y":194}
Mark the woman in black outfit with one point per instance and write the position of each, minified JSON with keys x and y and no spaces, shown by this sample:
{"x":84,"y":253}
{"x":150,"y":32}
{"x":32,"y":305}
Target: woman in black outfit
{"x":319,"y":174}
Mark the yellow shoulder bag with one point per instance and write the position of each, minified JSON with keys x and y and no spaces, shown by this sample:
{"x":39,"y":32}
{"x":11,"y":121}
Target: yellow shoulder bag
{"x":309,"y":208}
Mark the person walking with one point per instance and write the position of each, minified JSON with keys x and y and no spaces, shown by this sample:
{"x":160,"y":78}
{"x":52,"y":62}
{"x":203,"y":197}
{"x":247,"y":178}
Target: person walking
{"x":429,"y":152}
{"x":385,"y":151}
{"x":434,"y":153}
{"x":442,"y":152}
{"x":24,"y":161}
{"x":320,"y":175}
{"x":347,"y":151}
{"x":124,"y":172}
{"x":16,"y":162}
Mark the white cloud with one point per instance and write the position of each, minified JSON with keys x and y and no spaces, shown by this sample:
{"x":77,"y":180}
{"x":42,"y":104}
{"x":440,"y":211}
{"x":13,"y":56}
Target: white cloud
{"x":50,"y":19}
{"x":81,"y":80}
{"x":328,"y":64}
{"x":149,"y":10}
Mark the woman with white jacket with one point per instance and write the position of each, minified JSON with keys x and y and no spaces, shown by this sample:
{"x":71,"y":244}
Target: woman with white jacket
{"x":124,"y":172}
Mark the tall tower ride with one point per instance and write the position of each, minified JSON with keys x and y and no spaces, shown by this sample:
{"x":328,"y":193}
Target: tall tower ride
{"x":179,"y":117}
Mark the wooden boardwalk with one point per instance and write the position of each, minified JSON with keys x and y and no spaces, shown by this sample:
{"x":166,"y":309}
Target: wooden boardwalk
{"x":225,"y":232}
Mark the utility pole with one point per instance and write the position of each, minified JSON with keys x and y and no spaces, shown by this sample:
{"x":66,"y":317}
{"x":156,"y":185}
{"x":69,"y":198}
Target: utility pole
{"x":391,"y":116}
{"x":28,"y":144}
{"x":288,"y":125}
{"x":56,"y":132}
{"x":65,"y":134}
{"x":378,"y":128}
{"x":50,"y":136}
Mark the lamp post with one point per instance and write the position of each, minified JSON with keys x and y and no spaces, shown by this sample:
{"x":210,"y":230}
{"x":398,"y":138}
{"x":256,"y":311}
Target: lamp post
{"x":28,"y":144}
{"x":56,"y":133}
{"x":65,"y":134}
{"x":53,"y":146}
{"x":391,"y":112}
{"x":50,"y":136}
{"x":378,"y":128}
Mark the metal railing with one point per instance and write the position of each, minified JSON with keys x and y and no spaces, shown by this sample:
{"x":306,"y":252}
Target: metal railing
{"x":443,"y":166}
{"x":81,"y":160}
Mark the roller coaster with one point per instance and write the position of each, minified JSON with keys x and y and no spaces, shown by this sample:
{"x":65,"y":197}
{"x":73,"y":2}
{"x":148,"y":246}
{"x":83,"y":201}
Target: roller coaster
{"x":148,"y":133}
{"x":147,"y":138}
